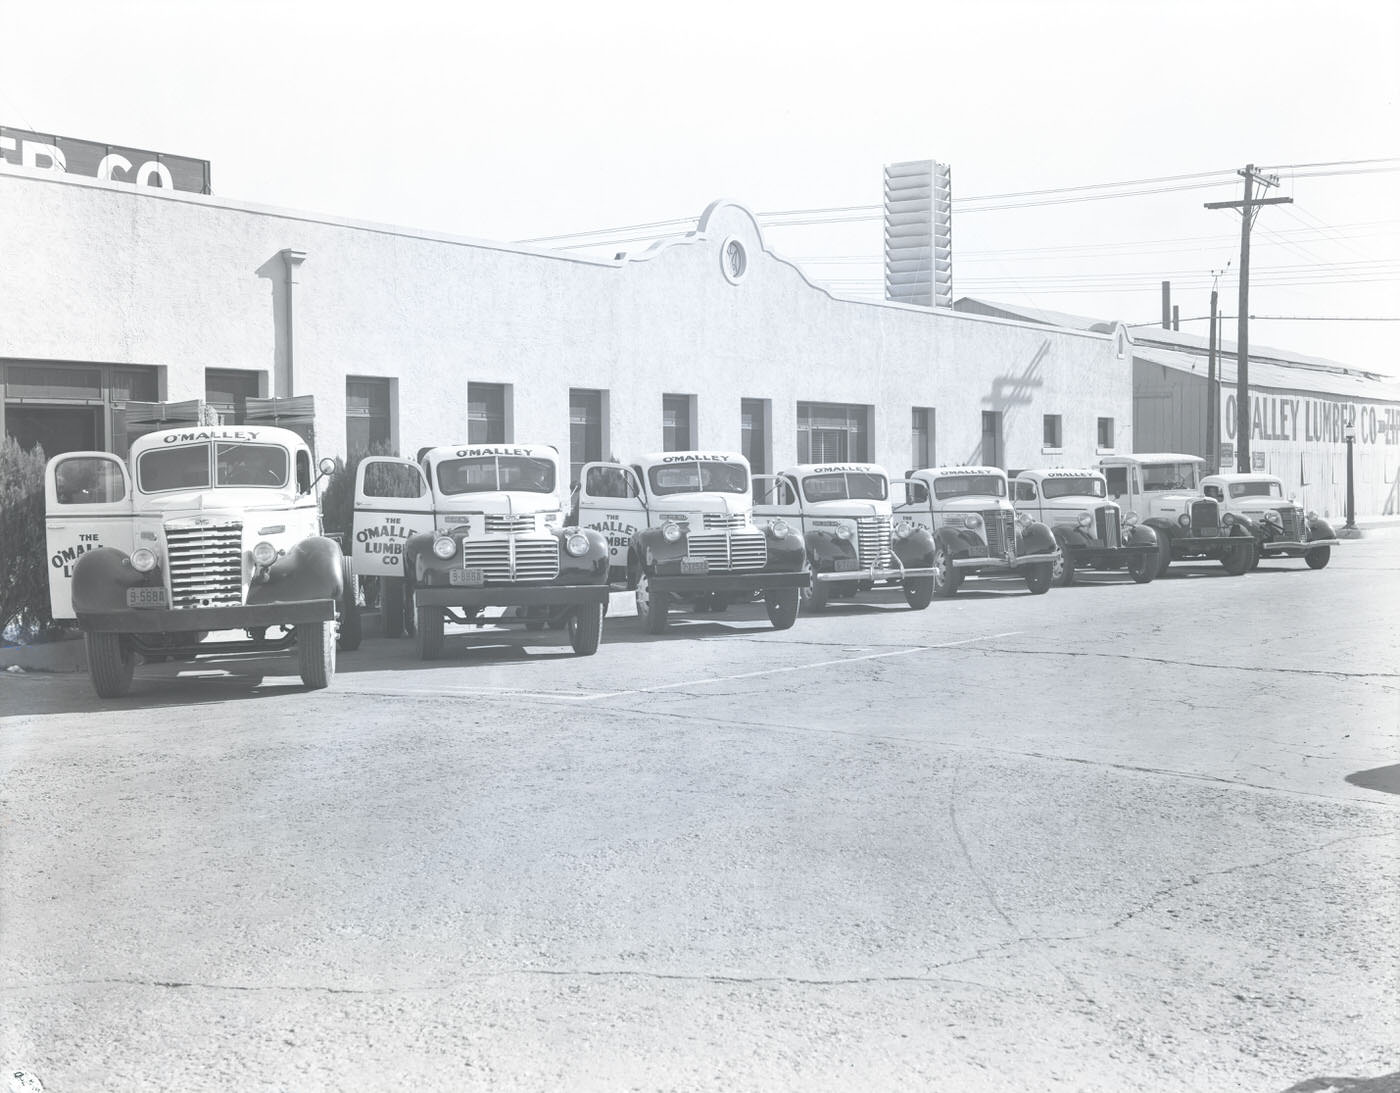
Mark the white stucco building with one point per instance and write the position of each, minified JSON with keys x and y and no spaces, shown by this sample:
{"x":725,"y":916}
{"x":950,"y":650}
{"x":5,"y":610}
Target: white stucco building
{"x":117,"y":296}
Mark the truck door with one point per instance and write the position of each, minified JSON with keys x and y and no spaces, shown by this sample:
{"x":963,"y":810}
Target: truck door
{"x":916,"y":507}
{"x":392,"y":502}
{"x":1026,"y":498}
{"x":87,"y":504}
{"x":776,"y":496}
{"x":611,"y":501}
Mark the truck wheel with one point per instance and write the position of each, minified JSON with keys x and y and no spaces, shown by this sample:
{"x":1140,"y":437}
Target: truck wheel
{"x":918,"y":591}
{"x":1039,"y":577}
{"x":350,"y":627}
{"x":391,"y":603}
{"x":946,"y":579}
{"x":316,"y":653}
{"x":815,"y":596}
{"x":652,"y":607}
{"x":1164,"y":553}
{"x":111,"y":664}
{"x":1238,"y":558}
{"x":1318,"y":557}
{"x":586,"y":628}
{"x":782,"y":605}
{"x":1064,"y":575}
{"x":428,"y":633}
{"x":1142,"y":567}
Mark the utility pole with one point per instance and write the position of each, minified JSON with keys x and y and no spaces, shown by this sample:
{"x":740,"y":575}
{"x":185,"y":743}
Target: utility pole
{"x":1213,"y":393}
{"x":1247,"y":209}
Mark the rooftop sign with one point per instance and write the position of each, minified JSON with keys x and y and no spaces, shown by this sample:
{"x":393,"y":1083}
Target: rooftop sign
{"x":108,"y":162}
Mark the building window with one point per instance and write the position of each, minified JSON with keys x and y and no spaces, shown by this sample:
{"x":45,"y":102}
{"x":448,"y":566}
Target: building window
{"x":1105,"y":432}
{"x":67,"y":406}
{"x":832,"y":433}
{"x":486,"y":413}
{"x":1053,"y":436}
{"x":753,"y":432}
{"x":368,"y":415}
{"x":991,"y":438}
{"x":923,"y":438}
{"x":585,"y":429}
{"x":227,"y":391}
{"x":677,"y":414}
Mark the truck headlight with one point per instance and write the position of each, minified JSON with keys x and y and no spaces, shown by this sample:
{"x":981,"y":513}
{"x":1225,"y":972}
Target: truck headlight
{"x":844,"y":531}
{"x":1273,"y":516}
{"x":264,"y":554}
{"x":1130,"y":519}
{"x":972,"y":520}
{"x":576,"y":544}
{"x":1228,"y":519}
{"x":143,"y":560}
{"x":903,"y":529}
{"x":1023,"y":519}
{"x":1184,"y":520}
{"x":444,"y":546}
{"x":1085,"y":520}
{"x":779,"y":528}
{"x":670,"y":531}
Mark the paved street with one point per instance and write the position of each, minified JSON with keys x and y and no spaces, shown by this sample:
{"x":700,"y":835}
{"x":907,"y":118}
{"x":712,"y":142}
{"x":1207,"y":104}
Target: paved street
{"x":1110,"y":838}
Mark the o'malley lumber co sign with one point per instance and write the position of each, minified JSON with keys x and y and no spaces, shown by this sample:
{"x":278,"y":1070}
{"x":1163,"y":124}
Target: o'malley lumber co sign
{"x":108,"y":162}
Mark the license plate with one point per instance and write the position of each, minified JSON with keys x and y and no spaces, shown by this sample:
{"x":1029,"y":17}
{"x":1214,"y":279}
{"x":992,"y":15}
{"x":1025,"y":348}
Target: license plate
{"x":845,"y":565}
{"x":695,"y":565}
{"x":145,"y":597}
{"x":471,"y":577}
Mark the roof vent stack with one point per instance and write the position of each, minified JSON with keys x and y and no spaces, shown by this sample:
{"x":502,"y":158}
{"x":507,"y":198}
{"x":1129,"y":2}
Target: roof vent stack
{"x":919,"y":233}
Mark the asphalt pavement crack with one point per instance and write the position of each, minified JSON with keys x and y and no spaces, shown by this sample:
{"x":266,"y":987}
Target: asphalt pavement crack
{"x":1174,"y":663}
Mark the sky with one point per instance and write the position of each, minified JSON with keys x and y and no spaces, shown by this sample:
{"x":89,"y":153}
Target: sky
{"x":516,"y":122}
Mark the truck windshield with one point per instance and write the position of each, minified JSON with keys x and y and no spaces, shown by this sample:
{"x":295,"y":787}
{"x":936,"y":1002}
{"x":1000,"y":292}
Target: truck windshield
{"x":967,"y":485}
{"x":1087,"y":486}
{"x":496,"y":473}
{"x":1256,"y":489}
{"x":845,"y":486}
{"x":1157,"y":477}
{"x":698,"y":477}
{"x":250,"y":465}
{"x":184,"y":467}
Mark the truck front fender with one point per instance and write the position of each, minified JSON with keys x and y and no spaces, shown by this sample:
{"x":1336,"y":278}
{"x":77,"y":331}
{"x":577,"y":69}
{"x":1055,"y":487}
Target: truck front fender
{"x":915,"y":550}
{"x":824,"y":549}
{"x":955,"y":541}
{"x":311,"y":570}
{"x":1140,"y":535}
{"x":101,"y":578}
{"x":1035,"y":538}
{"x":1318,"y":528}
{"x":786,"y":554}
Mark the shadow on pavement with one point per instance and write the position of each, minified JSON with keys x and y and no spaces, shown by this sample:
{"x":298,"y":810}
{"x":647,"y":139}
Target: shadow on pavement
{"x":1386,"y":1083}
{"x":1382,"y":779}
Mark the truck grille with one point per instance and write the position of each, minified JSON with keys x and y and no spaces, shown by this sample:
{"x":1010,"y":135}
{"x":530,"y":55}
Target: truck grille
{"x":1292,"y":523}
{"x":1106,"y":521}
{"x":745,"y":550}
{"x":999,"y":531}
{"x":1205,"y":514}
{"x":873,"y":535}
{"x":720,"y":521}
{"x":509,"y":525}
{"x":206,"y":564}
{"x":513,"y":560}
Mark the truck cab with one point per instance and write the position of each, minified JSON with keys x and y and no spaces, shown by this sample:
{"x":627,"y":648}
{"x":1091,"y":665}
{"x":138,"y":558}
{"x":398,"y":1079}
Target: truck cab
{"x":474,"y":527}
{"x":844,"y":514}
{"x":202,"y":529}
{"x":1090,"y":529}
{"x":975,"y":530}
{"x":682,"y":529}
{"x":1164,"y":490}
{"x":1280,"y":527}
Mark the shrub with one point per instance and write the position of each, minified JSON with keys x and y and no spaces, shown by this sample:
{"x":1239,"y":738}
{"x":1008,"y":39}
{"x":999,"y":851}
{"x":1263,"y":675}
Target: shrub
{"x":24,"y":580}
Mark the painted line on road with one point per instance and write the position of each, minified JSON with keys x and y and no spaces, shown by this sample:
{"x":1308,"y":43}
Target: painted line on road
{"x":797,"y":667}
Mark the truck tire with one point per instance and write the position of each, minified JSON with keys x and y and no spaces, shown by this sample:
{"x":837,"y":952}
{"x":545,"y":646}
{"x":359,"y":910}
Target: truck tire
{"x":782,"y":606}
{"x":815,"y":596}
{"x":1065,"y":577}
{"x":427,"y":633}
{"x":1039,"y":578}
{"x":1142,"y":567}
{"x":111,"y":664}
{"x":1238,"y":557}
{"x":586,"y":628}
{"x":349,"y":627}
{"x":653,"y":608}
{"x":1164,"y":553}
{"x":918,"y":591}
{"x":391,"y":605}
{"x":316,"y":653}
{"x":1318,"y":557}
{"x":946,"y":579}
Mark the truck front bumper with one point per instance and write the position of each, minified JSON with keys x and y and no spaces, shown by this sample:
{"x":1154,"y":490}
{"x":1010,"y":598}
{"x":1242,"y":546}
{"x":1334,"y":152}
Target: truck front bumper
{"x":1001,"y":562}
{"x":550,"y":595}
{"x":760,"y":581}
{"x":1114,"y":556}
{"x":156,"y":620}
{"x":872,"y":574}
{"x":1281,"y":546}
